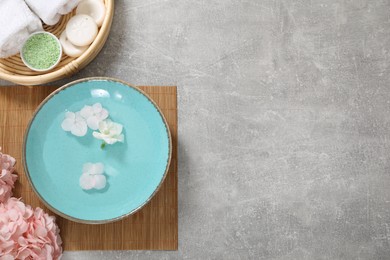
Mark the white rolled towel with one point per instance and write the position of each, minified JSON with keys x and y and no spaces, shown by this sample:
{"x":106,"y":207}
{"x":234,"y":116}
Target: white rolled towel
{"x":17,"y":22}
{"x":50,"y":11}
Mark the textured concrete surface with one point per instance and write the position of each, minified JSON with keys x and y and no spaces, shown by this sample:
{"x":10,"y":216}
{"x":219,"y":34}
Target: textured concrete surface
{"x":284,"y":134}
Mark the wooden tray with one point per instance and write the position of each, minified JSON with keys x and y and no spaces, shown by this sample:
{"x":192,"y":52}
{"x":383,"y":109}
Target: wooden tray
{"x":155,"y":227}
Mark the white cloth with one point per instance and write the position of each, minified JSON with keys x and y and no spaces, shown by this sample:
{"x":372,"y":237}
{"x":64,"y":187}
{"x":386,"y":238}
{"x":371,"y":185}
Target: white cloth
{"x":50,"y":11}
{"x":17,"y":22}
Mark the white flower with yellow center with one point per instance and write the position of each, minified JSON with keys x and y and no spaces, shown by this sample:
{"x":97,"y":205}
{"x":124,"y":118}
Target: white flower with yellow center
{"x":110,"y":132}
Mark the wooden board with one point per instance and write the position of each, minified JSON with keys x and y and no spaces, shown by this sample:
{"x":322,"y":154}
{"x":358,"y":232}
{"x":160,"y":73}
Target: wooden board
{"x":154,"y":227}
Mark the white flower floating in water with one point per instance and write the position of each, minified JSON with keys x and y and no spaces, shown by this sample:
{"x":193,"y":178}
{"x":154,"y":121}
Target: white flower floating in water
{"x":94,"y":115}
{"x":74,"y":123}
{"x":109,"y":132}
{"x":96,"y":118}
{"x":92,"y":177}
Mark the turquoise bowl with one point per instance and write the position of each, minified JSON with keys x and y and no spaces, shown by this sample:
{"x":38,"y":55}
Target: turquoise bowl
{"x":135,"y":169}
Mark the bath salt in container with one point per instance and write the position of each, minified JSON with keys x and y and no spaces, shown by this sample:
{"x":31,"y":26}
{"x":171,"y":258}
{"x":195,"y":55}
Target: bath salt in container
{"x":42,"y":51}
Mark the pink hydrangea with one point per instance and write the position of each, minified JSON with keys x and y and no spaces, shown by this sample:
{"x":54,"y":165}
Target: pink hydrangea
{"x":26,"y":233}
{"x":7,"y":178}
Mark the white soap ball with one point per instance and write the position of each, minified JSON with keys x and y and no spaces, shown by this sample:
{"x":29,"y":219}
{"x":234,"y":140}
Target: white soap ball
{"x":70,"y":49}
{"x":81,"y":30}
{"x":94,"y":8}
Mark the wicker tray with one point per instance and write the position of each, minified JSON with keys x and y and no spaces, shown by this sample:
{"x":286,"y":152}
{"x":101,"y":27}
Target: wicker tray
{"x":13,"y":69}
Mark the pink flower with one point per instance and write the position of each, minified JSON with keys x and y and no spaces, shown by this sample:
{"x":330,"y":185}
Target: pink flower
{"x":26,"y":233}
{"x":7,"y":178}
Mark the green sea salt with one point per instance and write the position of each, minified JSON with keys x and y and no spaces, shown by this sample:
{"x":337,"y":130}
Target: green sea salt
{"x":41,"y":51}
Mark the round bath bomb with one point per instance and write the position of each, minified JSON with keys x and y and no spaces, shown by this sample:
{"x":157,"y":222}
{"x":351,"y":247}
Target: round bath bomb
{"x":94,"y":8}
{"x":81,"y":30}
{"x":70,"y":49}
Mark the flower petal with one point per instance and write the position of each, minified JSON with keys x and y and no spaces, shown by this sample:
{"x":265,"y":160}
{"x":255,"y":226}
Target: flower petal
{"x":116,"y":128}
{"x":87,"y":167}
{"x":109,"y":140}
{"x":103,"y":125}
{"x":121,"y":138}
{"x":86,"y":112}
{"x":79,"y":128}
{"x":70,"y":115}
{"x":97,"y":107}
{"x":40,"y":231}
{"x":93,"y":122}
{"x":98,"y":135}
{"x":79,"y":117}
{"x":67,"y":124}
{"x":98,"y":168}
{"x":100,"y":181}
{"x":103,"y":114}
{"x":7,"y":257}
{"x":86,"y":181}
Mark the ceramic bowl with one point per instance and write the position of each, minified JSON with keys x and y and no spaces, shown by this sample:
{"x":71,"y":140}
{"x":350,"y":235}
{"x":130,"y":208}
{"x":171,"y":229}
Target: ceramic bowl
{"x":134,"y":169}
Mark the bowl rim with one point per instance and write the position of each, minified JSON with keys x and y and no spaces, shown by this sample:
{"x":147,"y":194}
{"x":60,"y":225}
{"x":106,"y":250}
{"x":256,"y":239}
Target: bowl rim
{"x":52,"y":66}
{"x":70,"y":84}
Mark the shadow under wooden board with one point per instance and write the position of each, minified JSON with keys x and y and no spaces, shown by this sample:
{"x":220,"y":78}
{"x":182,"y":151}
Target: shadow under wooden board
{"x":154,"y":227}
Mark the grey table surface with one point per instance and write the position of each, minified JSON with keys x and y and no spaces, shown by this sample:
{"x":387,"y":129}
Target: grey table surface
{"x":284,"y":122}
